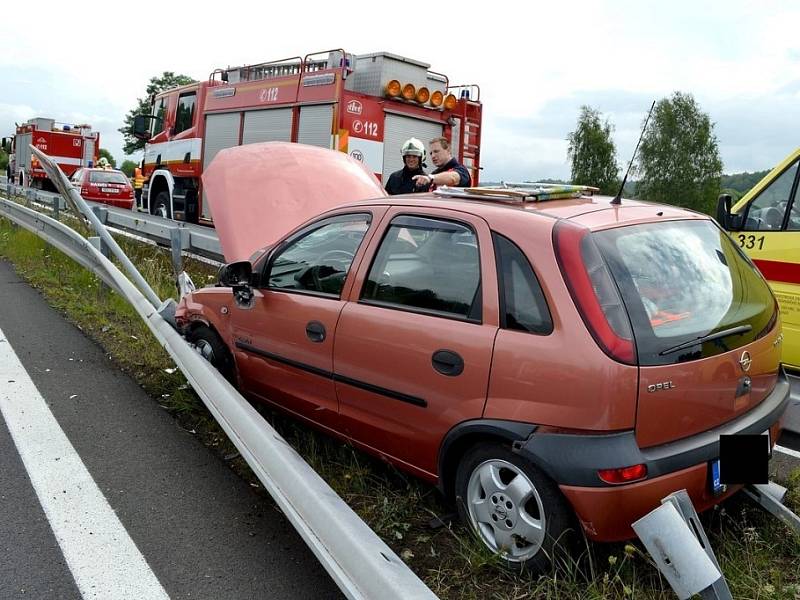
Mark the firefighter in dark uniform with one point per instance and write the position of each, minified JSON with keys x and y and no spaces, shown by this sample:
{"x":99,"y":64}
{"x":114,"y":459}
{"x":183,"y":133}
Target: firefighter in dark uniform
{"x":448,"y":170}
{"x":402,"y":181}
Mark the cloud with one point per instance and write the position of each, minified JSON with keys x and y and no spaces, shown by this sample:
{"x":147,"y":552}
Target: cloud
{"x":739,"y":59}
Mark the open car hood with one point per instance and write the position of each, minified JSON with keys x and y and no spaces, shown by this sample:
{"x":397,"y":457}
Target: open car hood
{"x":260,"y":192}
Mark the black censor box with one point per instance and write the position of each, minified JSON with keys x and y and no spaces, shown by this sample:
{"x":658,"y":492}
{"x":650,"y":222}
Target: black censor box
{"x":744,"y":459}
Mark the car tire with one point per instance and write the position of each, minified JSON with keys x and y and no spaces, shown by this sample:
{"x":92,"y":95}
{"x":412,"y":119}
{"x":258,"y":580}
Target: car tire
{"x":210,"y":346}
{"x":514,"y":509}
{"x":161,"y":205}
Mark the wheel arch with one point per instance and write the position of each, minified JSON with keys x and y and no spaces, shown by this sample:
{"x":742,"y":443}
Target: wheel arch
{"x":468,"y":434}
{"x":160,"y":181}
{"x":199,"y":323}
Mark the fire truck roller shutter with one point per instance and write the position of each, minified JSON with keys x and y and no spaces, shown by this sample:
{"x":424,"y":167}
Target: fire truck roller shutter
{"x":455,"y":138}
{"x":396,"y":130}
{"x":271,"y":125}
{"x":316,"y":123}
{"x":222,"y":131}
{"x":23,"y":151}
{"x":88,"y":152}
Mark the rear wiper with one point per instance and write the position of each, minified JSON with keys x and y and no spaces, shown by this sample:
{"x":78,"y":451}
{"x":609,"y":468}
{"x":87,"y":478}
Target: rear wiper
{"x":708,"y":338}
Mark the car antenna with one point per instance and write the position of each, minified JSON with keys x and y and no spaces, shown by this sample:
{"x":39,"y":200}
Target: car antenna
{"x":618,"y":198}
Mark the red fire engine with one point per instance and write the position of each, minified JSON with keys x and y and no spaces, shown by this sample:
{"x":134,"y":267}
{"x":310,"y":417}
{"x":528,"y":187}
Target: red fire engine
{"x":71,"y":146}
{"x":366,"y":105}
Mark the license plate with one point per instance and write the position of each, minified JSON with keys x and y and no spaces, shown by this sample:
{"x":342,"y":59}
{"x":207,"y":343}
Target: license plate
{"x":110,"y":190}
{"x":716,"y":486}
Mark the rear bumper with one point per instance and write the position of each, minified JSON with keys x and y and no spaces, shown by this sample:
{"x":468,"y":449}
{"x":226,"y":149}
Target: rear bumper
{"x":606,"y":514}
{"x":118,"y":202}
{"x":607,"y":511}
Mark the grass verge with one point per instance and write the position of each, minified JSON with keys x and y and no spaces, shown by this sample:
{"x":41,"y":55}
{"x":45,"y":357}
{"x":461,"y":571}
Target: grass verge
{"x":758,"y":554}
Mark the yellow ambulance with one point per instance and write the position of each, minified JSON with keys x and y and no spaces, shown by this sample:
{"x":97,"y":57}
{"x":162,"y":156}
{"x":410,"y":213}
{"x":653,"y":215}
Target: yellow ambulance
{"x":766,"y":225}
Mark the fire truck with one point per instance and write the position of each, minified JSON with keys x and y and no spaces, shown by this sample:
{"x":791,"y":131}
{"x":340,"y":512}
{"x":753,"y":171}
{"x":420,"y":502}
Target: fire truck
{"x":71,"y":146}
{"x":365,"y":105}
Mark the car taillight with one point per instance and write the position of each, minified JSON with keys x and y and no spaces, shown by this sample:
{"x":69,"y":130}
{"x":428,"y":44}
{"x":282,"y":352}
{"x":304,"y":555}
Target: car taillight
{"x":624,"y":474}
{"x":594,"y":291}
{"x":84,"y":190}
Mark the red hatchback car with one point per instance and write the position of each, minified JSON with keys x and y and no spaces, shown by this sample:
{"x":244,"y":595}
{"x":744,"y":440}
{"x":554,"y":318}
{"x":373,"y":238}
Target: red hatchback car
{"x":104,"y":185}
{"x":545,"y":364}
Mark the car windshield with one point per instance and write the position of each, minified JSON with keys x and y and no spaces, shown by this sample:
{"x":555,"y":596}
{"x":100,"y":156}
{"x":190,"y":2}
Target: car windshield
{"x":682,"y":280}
{"x":107,"y":177}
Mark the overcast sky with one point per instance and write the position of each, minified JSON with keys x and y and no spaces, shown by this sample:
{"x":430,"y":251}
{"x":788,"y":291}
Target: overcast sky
{"x":81,"y":62}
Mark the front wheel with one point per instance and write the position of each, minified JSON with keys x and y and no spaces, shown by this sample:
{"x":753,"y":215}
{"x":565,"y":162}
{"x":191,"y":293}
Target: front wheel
{"x":513,"y":508}
{"x":161,"y":205}
{"x":211,"y":347}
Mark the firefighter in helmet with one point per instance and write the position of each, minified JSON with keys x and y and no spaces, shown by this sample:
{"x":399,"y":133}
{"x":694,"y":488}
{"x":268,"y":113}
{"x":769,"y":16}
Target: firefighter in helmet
{"x":402,"y":182}
{"x":103,"y":163}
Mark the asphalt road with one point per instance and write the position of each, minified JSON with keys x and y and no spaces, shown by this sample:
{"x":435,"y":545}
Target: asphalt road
{"x":168,"y":512}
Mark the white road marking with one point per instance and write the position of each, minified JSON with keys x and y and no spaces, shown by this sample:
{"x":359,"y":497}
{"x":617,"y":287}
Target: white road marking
{"x":103,"y":559}
{"x":787,"y":451}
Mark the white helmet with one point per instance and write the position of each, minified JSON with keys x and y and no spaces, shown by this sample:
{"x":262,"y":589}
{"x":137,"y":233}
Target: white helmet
{"x":413,"y":147}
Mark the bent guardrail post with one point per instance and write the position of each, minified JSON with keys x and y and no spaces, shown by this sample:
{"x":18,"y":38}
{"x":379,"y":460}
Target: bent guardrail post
{"x":770,"y":498}
{"x":80,"y":207}
{"x":674,"y":537}
{"x":358,"y":561}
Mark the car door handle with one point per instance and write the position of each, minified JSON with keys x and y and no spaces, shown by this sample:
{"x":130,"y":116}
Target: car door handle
{"x":315,"y":331}
{"x":447,"y":363}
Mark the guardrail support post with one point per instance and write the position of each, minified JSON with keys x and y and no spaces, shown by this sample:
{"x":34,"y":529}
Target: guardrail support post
{"x":770,"y":498}
{"x":101,"y":212}
{"x":674,"y":537}
{"x":178,"y":241}
{"x":56,"y":207}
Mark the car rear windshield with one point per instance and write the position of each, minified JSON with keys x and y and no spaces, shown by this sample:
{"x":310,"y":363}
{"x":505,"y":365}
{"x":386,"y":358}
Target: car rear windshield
{"x":685,"y":280}
{"x":107,"y":177}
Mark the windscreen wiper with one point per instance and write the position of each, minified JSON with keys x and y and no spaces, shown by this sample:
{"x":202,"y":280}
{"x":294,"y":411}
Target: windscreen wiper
{"x":708,"y":338}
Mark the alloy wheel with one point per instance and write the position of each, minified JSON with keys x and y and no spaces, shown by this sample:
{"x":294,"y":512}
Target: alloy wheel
{"x":505,"y":509}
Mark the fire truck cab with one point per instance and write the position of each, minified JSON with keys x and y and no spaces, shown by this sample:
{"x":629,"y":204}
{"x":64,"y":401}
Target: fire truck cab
{"x":365,"y":105}
{"x":70,"y":146}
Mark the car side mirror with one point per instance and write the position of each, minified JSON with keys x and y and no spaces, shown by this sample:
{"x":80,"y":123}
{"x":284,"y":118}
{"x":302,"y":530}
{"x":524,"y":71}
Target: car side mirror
{"x":6,"y":145}
{"x":141,"y":126}
{"x":238,"y":276}
{"x":235,"y":274}
{"x":728,"y":220}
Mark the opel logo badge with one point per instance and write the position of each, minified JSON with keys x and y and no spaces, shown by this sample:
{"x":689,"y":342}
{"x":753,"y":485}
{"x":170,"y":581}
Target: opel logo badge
{"x":745,"y":361}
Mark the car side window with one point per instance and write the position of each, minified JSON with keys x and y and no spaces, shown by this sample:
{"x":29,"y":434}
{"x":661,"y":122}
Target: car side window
{"x":767,"y":211}
{"x":427,"y":265}
{"x":522,"y":303}
{"x":318,"y":258}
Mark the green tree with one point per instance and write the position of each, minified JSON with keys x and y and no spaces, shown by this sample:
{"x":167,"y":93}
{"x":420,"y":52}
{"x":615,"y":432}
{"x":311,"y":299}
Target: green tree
{"x":167,"y":80}
{"x":3,"y":162}
{"x":592,"y":153}
{"x":103,"y":152}
{"x":679,"y":159}
{"x":127,"y":167}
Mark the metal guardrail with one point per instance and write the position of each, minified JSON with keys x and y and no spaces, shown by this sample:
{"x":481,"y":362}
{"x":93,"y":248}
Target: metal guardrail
{"x":195,"y":239}
{"x":203,"y":241}
{"x":360,"y":563}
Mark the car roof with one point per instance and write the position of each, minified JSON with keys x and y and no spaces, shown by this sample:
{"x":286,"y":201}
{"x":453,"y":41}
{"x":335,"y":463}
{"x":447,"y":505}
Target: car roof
{"x":595,"y":212}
